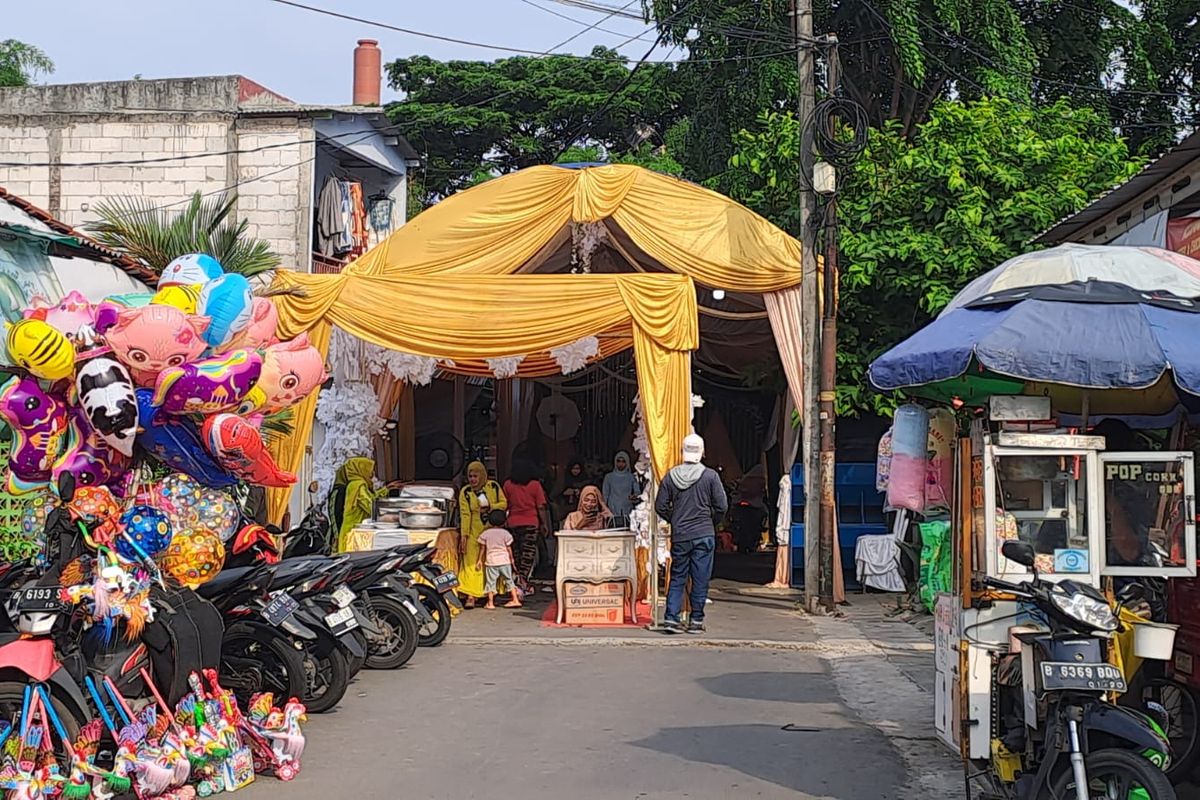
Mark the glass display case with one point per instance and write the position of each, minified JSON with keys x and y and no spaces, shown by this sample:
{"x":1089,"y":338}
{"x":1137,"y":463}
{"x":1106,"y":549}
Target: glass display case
{"x":1089,"y":513}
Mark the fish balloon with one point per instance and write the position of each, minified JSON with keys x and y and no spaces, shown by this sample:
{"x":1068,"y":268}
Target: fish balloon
{"x":238,"y":447}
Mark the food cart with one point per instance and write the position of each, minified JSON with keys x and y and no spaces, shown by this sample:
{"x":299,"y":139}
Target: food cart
{"x":416,"y":513}
{"x":1092,"y":516}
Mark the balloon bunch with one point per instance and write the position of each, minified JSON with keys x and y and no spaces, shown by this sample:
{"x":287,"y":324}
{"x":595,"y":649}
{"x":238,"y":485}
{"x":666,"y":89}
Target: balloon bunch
{"x":187,"y":374}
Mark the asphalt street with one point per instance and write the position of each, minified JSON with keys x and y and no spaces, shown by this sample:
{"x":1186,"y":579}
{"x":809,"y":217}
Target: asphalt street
{"x":597,"y":722}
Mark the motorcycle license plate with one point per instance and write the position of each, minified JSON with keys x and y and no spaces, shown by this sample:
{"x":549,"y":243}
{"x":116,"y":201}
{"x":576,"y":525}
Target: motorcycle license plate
{"x":341,"y":621}
{"x":39,"y":598}
{"x":445,"y":582}
{"x":343,"y":596}
{"x":1092,"y":677}
{"x":411,"y":606}
{"x":279,"y":608}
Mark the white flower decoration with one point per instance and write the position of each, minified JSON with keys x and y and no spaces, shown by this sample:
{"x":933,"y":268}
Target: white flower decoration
{"x":505,"y":367}
{"x":575,"y":356}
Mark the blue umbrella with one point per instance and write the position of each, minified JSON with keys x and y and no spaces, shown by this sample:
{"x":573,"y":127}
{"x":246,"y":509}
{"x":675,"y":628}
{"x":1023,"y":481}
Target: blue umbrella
{"x":1090,"y":335}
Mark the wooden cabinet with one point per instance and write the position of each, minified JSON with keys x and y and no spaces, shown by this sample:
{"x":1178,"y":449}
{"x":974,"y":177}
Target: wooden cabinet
{"x":596,"y":557}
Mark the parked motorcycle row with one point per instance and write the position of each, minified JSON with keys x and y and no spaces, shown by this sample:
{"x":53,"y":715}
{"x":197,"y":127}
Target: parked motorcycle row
{"x":296,"y":624}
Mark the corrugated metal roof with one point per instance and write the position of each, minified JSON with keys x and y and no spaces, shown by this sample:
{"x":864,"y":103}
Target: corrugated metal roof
{"x":1169,"y":162}
{"x":88,"y":247}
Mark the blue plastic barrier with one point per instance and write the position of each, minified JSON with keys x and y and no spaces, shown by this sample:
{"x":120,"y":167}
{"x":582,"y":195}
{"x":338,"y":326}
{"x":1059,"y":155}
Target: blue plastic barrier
{"x":860,"y":512}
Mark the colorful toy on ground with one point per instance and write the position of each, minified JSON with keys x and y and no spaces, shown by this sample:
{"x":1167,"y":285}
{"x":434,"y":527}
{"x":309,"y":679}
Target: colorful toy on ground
{"x":189,"y":270}
{"x":275,"y":735}
{"x":38,"y":421}
{"x":45,"y":351}
{"x":68,"y":316}
{"x":290,"y":371}
{"x":238,"y":447}
{"x":105,"y":391}
{"x":174,"y":441}
{"x":227,"y":301}
{"x":208,"y":386}
{"x":153,"y":338}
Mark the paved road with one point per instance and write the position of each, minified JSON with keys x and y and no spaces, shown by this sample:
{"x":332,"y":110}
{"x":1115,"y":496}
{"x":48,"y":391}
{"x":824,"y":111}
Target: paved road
{"x":597,"y":722}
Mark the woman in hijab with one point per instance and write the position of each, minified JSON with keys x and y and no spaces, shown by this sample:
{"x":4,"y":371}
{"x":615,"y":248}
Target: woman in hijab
{"x":479,"y":496}
{"x":750,"y":509}
{"x":621,"y":490}
{"x":592,"y":514}
{"x":353,"y":497}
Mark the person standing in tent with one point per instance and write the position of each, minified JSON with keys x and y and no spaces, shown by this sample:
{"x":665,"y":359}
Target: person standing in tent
{"x":528,"y":518}
{"x":479,"y":496}
{"x":352,"y":498}
{"x":621,"y":490}
{"x":692,"y":499}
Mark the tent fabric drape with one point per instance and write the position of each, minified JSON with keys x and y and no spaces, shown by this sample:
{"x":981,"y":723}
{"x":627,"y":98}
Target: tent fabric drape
{"x":469,"y":318}
{"x":783,"y":309}
{"x":289,"y":450}
{"x":497,"y":227}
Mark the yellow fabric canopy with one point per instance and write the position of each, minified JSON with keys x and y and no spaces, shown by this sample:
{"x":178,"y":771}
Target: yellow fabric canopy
{"x":472,"y":318}
{"x":498,"y":227}
{"x":475,"y":307}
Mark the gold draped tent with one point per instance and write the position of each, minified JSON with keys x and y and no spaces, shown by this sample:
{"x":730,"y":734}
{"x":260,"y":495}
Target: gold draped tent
{"x":454,"y":284}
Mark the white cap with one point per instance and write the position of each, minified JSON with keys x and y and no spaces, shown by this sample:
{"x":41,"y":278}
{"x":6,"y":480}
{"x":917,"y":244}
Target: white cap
{"x":693,"y":449}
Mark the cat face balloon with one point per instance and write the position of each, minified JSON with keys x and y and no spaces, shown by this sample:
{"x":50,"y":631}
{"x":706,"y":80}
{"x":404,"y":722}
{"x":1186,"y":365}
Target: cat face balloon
{"x":153,"y":338}
{"x":66,"y":316}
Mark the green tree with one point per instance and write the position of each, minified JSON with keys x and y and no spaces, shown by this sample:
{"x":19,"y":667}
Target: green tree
{"x":155,"y":236}
{"x":922,"y":215}
{"x":473,"y":119}
{"x":21,"y":64}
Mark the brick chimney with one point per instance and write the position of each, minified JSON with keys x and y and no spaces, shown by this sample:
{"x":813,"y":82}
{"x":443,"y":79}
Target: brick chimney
{"x":368,"y":72}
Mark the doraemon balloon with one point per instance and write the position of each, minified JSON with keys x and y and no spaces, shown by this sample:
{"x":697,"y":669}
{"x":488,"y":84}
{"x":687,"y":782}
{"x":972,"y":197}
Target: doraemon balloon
{"x":191,"y":269}
{"x":227,"y":301}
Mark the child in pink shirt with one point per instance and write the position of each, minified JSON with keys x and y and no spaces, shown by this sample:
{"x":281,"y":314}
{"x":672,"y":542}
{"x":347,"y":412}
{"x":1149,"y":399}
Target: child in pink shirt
{"x":496,"y":559}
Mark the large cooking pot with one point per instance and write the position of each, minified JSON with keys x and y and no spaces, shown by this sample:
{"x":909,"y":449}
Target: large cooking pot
{"x":420,"y":519}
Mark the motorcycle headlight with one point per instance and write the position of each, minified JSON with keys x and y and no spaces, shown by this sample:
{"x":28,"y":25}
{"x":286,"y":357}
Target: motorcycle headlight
{"x":1094,"y":613}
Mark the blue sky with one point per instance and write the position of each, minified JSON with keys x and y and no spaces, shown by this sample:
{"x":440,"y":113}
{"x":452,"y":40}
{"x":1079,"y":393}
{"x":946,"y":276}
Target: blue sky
{"x":298,"y":53}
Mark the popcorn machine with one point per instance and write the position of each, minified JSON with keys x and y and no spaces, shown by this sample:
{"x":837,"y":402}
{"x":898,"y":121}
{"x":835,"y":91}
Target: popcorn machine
{"x":1092,"y":516}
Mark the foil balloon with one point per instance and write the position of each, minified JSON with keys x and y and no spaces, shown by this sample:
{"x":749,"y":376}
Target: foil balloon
{"x":189,"y":270}
{"x":88,"y":457}
{"x":194,"y":558}
{"x":105,"y":392}
{"x":227,"y":301}
{"x":239,"y":448}
{"x":151,"y":339}
{"x":183,"y":297}
{"x":68,"y":316}
{"x":209,"y":385}
{"x":260,"y":333}
{"x":145,"y":528}
{"x":34,"y":513}
{"x":173,"y":441}
{"x":290,"y":371}
{"x":93,"y":504}
{"x":40,"y":348}
{"x":38,"y":422}
{"x":254,"y":536}
{"x":216,"y":511}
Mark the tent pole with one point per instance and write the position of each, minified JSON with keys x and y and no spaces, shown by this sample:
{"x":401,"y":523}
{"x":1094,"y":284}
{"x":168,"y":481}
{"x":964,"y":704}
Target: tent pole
{"x":655,"y":621}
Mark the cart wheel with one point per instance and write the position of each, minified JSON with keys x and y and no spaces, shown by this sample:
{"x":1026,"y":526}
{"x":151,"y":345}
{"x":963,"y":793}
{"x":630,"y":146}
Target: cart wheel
{"x":1180,"y":702}
{"x":286,"y":771}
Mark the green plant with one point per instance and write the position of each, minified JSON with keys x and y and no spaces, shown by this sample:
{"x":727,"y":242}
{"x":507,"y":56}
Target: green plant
{"x":155,"y":236}
{"x":21,"y":64}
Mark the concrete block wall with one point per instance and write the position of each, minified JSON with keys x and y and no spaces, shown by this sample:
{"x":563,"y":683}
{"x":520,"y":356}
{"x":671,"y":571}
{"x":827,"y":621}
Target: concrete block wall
{"x":275,"y":195}
{"x":25,"y":141}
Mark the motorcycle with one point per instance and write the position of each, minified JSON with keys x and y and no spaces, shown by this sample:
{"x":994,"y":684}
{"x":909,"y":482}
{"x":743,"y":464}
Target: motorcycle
{"x":389,"y":599}
{"x":436,"y":593}
{"x":1058,"y":736}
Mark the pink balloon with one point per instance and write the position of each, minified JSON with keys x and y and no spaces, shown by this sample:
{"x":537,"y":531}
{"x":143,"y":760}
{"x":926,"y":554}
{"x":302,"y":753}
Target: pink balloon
{"x":290,"y":371}
{"x":153,"y":338}
{"x":260,"y":333}
{"x":67,"y":316}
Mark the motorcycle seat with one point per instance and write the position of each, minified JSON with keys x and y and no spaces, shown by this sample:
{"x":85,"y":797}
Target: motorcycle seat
{"x":296,"y":570}
{"x":224,"y":580}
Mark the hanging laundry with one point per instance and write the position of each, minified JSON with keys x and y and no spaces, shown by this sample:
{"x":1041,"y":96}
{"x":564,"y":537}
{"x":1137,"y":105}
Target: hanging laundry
{"x":330,"y":221}
{"x":345,"y":241}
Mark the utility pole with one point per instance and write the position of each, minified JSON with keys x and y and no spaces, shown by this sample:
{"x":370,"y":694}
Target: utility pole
{"x":829,"y":367}
{"x":802,"y":27}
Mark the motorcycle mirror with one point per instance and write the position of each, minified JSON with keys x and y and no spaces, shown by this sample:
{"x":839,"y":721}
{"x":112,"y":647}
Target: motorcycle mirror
{"x":1020,"y":552}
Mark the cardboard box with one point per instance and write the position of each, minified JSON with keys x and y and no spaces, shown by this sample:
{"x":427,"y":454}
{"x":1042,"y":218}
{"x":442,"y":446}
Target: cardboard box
{"x":594,"y":603}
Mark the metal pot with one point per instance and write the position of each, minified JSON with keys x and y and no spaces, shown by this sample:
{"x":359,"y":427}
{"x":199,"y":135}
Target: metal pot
{"x":414,"y":519}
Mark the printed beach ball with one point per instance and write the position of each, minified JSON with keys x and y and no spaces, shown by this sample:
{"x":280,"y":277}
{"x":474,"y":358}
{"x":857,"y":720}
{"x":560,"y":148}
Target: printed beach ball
{"x":148,"y":528}
{"x":194,"y":557}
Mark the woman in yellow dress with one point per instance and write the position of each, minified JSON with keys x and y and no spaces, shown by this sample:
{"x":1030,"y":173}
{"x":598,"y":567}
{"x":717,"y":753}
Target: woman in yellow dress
{"x":471,"y":511}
